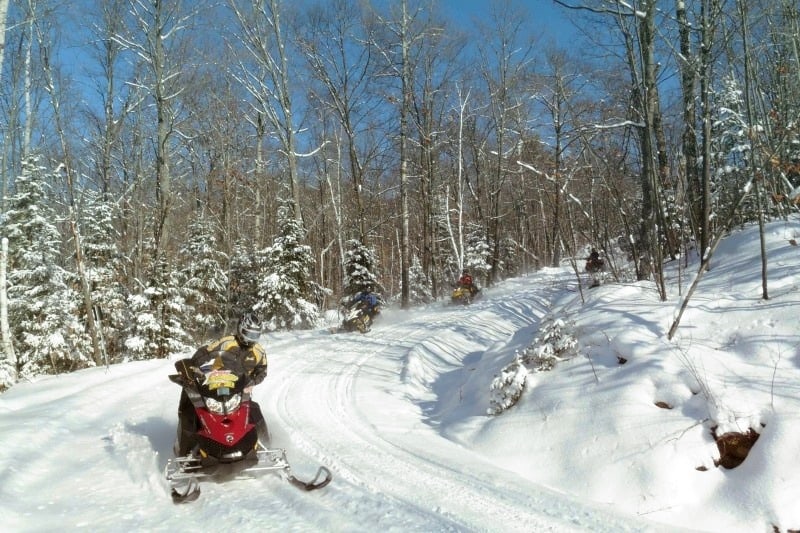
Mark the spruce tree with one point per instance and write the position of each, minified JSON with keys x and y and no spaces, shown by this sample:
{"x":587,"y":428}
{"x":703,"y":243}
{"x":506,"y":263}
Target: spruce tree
{"x":419,"y":290}
{"x":360,"y":269}
{"x":246,"y":265}
{"x":205,"y":279}
{"x":288,"y":298}
{"x":477,"y":252}
{"x":104,"y":269}
{"x":48,"y":336}
{"x":158,"y":331}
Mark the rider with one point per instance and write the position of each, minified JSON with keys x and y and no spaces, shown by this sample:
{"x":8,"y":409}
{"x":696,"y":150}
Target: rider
{"x":466,"y":281}
{"x":243,"y":344}
{"x":593,"y":262}
{"x":366,"y":299}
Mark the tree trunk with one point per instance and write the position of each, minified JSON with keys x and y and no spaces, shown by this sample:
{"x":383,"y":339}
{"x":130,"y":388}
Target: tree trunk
{"x":88,"y":305}
{"x":3,"y":18}
{"x":706,"y":77}
{"x":405,"y":105}
{"x":5,"y":331}
{"x":689,"y":136}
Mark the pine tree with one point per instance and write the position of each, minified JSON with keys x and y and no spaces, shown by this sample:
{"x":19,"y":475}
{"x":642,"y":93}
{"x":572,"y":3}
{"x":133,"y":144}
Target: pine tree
{"x":158,"y":330}
{"x":205,"y":279}
{"x":287,"y":296}
{"x":246,"y":266}
{"x":509,"y":258}
{"x":43,"y":308}
{"x":732,"y":152}
{"x":104,"y":265}
{"x":419,"y":290}
{"x":360,"y":269}
{"x":477,"y":252}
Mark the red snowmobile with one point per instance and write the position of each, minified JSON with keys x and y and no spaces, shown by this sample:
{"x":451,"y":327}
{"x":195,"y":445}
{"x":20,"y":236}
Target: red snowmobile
{"x":227,"y":440}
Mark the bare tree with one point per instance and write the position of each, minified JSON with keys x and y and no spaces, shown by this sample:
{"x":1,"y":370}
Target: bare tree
{"x":116,"y":97}
{"x":406,"y":30}
{"x":338,"y":53}
{"x":53,"y":90}
{"x":507,"y":54}
{"x":3,"y":19}
{"x":156,"y":40}
{"x":261,"y":30}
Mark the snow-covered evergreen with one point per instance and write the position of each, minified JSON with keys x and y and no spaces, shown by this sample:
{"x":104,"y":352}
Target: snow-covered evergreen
{"x":360,"y":269}
{"x":731,"y":142}
{"x":555,"y":342}
{"x":205,"y":278}
{"x":287,"y":296}
{"x":104,"y":269}
{"x":419,"y":290}
{"x":158,"y":330}
{"x":48,"y":336}
{"x":477,"y":253}
{"x":246,"y":266}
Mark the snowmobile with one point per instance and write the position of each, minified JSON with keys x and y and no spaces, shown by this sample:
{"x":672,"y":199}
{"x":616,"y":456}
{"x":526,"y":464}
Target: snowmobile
{"x":227,"y":440}
{"x":358,"y":319}
{"x":463,"y":295}
{"x":594,"y":265}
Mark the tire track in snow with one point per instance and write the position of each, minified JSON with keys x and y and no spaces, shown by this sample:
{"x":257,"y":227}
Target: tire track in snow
{"x":343,"y":403}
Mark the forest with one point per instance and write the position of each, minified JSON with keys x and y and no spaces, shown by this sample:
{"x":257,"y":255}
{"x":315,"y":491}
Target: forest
{"x":167,"y":165}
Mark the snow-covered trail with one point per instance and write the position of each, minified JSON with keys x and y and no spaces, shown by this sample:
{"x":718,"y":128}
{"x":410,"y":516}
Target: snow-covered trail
{"x":367,"y":406}
{"x":383,"y":411}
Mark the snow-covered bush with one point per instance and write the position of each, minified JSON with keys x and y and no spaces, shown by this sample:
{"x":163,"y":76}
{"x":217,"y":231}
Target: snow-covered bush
{"x":506,"y":389}
{"x":554,"y":343}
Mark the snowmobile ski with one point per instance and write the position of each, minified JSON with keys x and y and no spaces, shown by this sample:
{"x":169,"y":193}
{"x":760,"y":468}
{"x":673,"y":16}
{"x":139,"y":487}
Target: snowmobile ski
{"x":185,"y":473}
{"x":322,"y":478}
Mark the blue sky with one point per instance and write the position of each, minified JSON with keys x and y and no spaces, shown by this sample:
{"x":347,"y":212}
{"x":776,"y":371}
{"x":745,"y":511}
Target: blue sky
{"x":545,"y":14}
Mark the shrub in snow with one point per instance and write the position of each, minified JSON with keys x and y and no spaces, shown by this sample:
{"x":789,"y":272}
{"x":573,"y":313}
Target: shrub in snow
{"x":506,"y":389}
{"x":553,"y":344}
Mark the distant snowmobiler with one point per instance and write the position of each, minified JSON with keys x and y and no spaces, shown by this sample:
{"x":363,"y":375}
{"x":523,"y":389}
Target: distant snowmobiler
{"x":594,"y":265}
{"x":465,"y":290}
{"x":360,"y":311}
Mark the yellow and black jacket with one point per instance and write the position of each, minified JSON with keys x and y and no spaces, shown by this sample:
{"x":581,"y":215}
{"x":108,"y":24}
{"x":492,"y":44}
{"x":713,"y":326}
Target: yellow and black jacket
{"x":252,"y":358}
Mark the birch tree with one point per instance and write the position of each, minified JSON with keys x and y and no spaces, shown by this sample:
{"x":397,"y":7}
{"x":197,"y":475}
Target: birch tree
{"x":505,"y":66}
{"x":3,"y":19}
{"x":158,"y":40}
{"x":8,"y":358}
{"x":336,"y":48}
{"x":269,"y":81}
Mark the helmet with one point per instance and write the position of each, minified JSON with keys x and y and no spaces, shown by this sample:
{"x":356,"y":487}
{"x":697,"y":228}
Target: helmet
{"x":248,"y":330}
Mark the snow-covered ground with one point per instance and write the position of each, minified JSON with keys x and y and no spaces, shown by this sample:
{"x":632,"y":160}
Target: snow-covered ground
{"x":399,"y":416}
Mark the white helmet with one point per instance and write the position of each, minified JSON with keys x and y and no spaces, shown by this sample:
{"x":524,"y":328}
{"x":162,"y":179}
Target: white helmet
{"x":248,"y":330}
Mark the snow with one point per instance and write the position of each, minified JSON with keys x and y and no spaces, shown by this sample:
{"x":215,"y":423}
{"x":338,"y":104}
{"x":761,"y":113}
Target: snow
{"x":399,"y":415}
